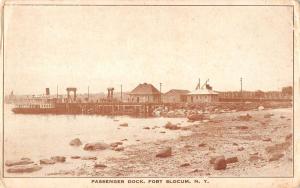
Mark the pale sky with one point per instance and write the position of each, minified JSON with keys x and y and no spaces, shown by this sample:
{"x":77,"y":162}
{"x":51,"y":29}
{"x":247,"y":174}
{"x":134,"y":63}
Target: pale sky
{"x":104,"y":47}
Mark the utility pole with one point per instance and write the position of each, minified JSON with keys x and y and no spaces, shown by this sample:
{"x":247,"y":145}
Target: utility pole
{"x":241,"y":87}
{"x":88,"y":93}
{"x":121,"y":94}
{"x":198,"y":85}
{"x":160,"y":84}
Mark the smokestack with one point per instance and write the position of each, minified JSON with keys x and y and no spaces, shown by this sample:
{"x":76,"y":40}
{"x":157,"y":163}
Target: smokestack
{"x":47,"y":91}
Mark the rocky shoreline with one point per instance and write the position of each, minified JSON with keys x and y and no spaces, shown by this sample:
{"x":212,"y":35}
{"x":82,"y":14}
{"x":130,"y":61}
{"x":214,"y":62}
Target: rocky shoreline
{"x":249,"y":143}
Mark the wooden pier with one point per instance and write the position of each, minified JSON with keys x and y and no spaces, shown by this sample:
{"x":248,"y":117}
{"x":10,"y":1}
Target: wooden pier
{"x":135,"y":109}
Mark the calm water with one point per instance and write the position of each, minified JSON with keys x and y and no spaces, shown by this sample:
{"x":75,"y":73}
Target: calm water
{"x":43,"y":136}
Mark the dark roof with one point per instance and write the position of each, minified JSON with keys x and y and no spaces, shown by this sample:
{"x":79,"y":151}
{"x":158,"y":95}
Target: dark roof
{"x":177,"y":91}
{"x":145,"y":89}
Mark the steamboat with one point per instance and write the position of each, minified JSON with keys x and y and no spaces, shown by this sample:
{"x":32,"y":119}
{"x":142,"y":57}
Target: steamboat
{"x":45,"y":104}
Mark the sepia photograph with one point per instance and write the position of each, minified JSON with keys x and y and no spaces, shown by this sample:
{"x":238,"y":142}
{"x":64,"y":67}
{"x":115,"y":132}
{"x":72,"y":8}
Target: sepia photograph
{"x":155,"y":90}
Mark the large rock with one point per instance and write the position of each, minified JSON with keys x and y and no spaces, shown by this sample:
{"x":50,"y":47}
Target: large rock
{"x":47,"y":161}
{"x":220,"y":163}
{"x":167,"y":152}
{"x":59,"y":159}
{"x":76,"y":142}
{"x":213,"y":159}
{"x":171,"y":126}
{"x":276,"y":157}
{"x":24,"y":168}
{"x":23,"y":161}
{"x":96,"y":146}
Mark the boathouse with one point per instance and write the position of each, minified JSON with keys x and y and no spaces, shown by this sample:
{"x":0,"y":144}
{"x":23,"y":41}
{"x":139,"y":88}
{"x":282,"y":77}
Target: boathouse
{"x":144,"y":93}
{"x":203,"y":95}
{"x":175,"y":96}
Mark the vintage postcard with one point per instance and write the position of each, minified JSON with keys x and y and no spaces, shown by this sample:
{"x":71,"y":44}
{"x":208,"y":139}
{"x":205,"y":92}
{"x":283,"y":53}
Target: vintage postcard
{"x":149,"y":93}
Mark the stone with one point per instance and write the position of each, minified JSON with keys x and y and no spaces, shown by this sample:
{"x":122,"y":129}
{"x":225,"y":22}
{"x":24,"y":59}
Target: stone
{"x":261,"y":108}
{"x":235,"y":144}
{"x":75,"y":142}
{"x":195,"y":117}
{"x":185,"y":128}
{"x":282,"y":117}
{"x":96,"y":146}
{"x":185,"y":164}
{"x":25,"y":158}
{"x":146,"y":127}
{"x":213,"y":159}
{"x":231,"y":160}
{"x":23,"y":161}
{"x":211,"y":149}
{"x":289,"y":137}
{"x":263,"y":123}
{"x":75,"y":157}
{"x":269,"y":115}
{"x":240,"y":148}
{"x":171,"y":126}
{"x":59,"y":159}
{"x":47,"y":161}
{"x":220,"y":164}
{"x":88,"y":158}
{"x":119,"y":148}
{"x":267,"y":139}
{"x":24,"y":168}
{"x":162,"y":132}
{"x":276,"y":157}
{"x":254,"y":158}
{"x":245,"y":117}
{"x":124,"y":124}
{"x":166,"y":152}
{"x":116,"y":144}
{"x":195,"y":170}
{"x":99,"y":165}
{"x":242,"y":127}
{"x":202,"y":145}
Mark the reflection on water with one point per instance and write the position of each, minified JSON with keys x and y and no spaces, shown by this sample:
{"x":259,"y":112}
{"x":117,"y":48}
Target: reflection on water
{"x":43,"y":136}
